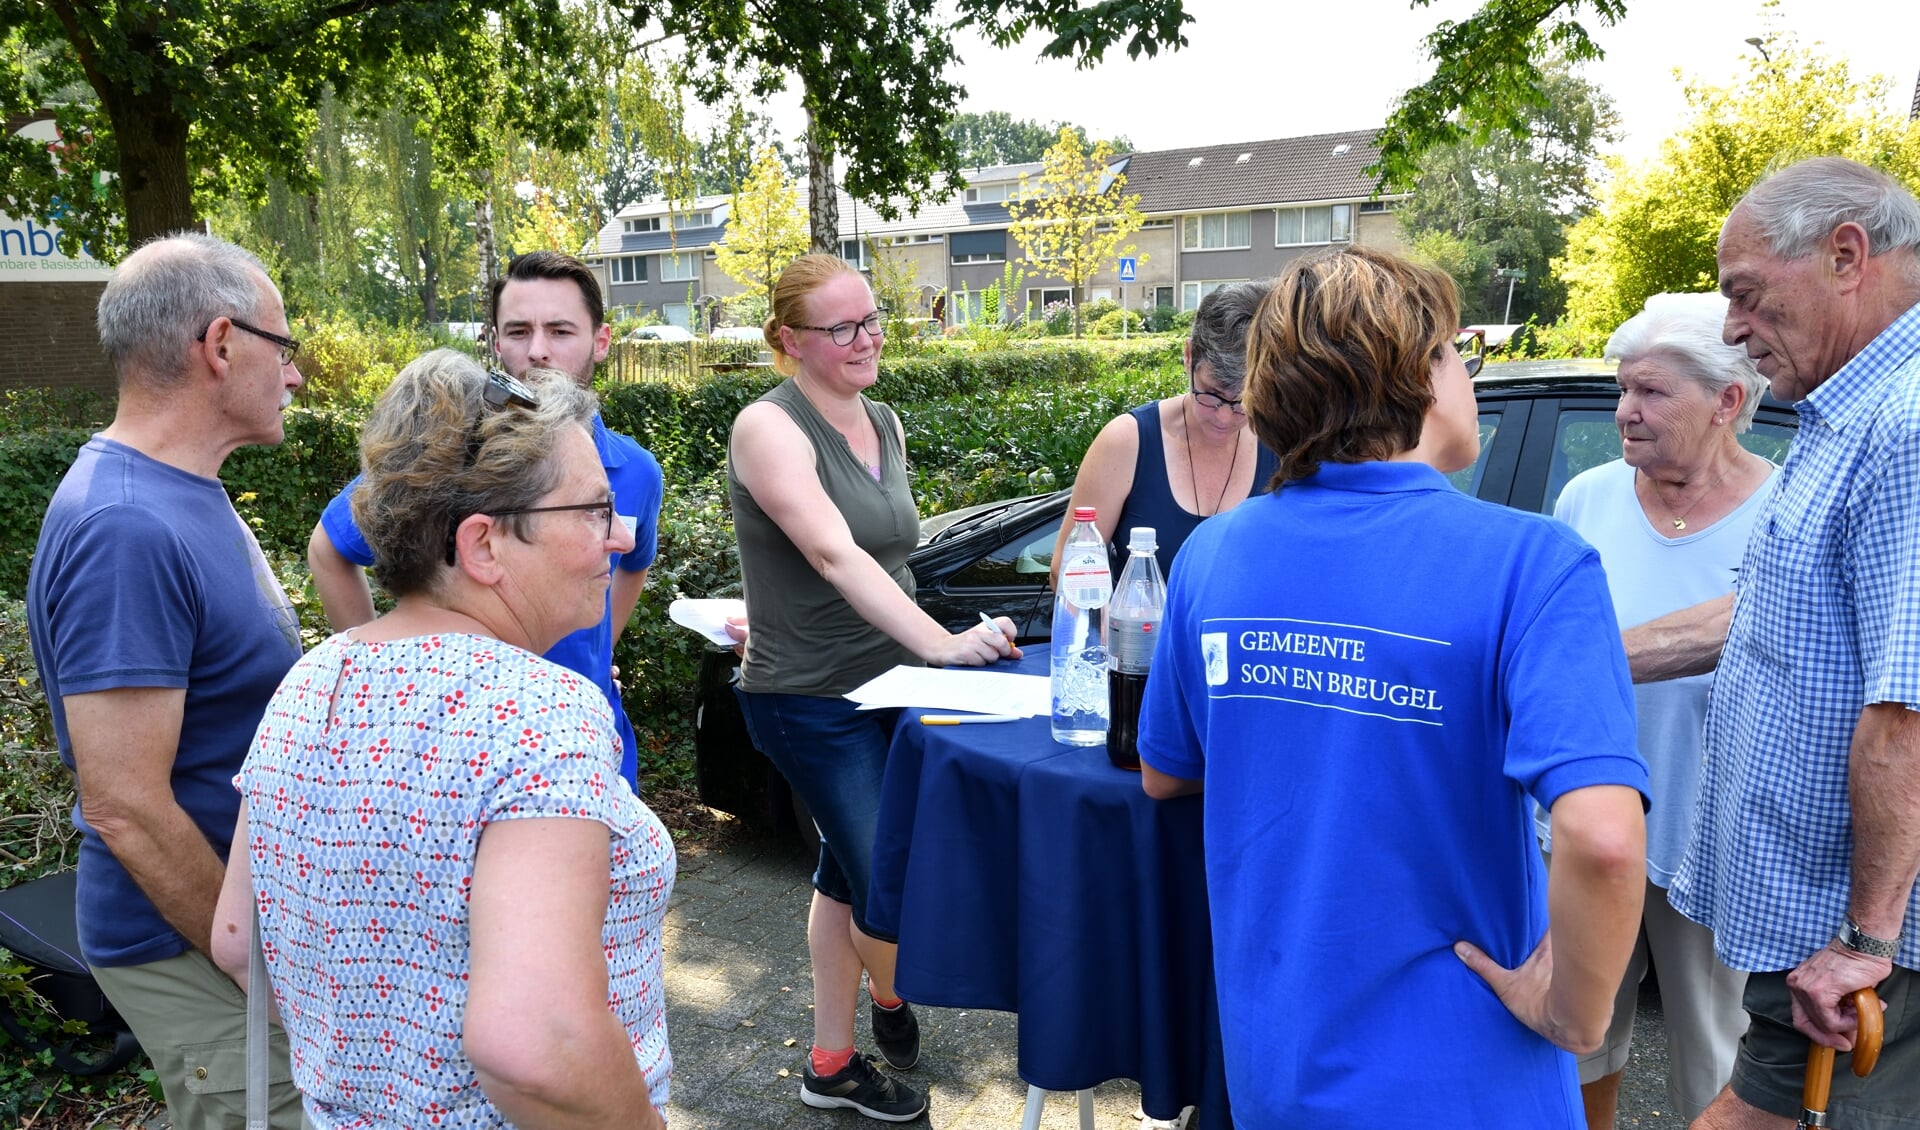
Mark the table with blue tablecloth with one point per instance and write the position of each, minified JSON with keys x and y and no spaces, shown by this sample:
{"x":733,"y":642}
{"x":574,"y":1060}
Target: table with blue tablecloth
{"x":1032,"y":877}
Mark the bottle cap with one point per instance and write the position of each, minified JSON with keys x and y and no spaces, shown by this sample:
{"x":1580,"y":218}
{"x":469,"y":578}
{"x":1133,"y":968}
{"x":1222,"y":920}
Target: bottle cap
{"x":1083,"y":513}
{"x":1140,"y":539}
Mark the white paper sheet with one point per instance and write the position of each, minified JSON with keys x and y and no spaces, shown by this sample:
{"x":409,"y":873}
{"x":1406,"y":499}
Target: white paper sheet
{"x":708,"y":617}
{"x":983,"y":692}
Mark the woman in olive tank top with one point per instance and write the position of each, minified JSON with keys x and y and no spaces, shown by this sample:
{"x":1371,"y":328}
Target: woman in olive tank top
{"x":825,"y":520}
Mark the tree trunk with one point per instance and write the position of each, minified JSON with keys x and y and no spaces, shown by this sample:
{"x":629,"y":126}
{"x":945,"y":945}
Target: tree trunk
{"x":823,"y":203}
{"x":154,"y":182}
{"x":429,"y":282}
{"x":483,"y":233}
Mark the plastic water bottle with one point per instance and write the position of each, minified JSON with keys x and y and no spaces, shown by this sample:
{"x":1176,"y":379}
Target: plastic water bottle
{"x":1079,"y":671}
{"x":1133,"y":631}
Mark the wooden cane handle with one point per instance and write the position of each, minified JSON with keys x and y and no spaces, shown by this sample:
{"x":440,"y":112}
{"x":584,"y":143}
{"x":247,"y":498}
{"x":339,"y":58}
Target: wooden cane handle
{"x":1813,"y":1093}
{"x":1873,"y":1027}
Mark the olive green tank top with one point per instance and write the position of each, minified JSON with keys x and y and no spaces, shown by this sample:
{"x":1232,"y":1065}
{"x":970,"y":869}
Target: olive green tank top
{"x":804,"y":637}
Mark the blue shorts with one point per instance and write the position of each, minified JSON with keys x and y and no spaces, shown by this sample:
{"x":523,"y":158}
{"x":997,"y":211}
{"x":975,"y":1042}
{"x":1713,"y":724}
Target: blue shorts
{"x":835,"y":756}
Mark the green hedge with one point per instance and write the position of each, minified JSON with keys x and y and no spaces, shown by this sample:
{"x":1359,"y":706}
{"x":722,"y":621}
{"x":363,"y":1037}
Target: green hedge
{"x":979,"y":425}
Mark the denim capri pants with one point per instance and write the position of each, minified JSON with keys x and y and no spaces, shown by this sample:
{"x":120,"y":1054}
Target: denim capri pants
{"x":835,"y":756}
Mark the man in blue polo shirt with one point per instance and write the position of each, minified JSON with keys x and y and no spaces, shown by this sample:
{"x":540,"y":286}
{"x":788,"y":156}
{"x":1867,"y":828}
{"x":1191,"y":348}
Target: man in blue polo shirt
{"x":547,"y":313}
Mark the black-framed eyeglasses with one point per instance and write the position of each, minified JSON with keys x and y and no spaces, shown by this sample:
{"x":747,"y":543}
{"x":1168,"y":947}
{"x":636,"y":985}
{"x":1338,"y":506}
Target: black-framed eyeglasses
{"x":1207,"y":399}
{"x":1473,"y":352}
{"x":288,"y":346}
{"x":606,"y":505}
{"x":607,"y":535}
{"x":843,"y":333}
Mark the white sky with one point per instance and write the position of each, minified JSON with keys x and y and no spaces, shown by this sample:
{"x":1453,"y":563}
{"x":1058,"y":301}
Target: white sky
{"x":1257,"y":69}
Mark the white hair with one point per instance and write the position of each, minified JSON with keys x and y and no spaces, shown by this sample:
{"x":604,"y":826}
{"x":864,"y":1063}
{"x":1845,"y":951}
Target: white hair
{"x":1684,"y":331}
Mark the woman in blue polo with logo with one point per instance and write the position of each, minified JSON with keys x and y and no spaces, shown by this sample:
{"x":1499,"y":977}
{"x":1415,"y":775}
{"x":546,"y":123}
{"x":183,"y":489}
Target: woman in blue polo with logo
{"x":1371,"y":677}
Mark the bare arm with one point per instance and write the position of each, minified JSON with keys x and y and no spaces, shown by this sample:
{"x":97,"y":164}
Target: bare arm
{"x":1680,"y":643}
{"x":342,"y":585}
{"x":548,"y":1051}
{"x":1161,"y":786}
{"x":1883,"y":789}
{"x":233,"y":914}
{"x":1565,"y":989}
{"x":124,"y":744}
{"x":1104,"y":481}
{"x":774,"y":461}
{"x":626,"y":594}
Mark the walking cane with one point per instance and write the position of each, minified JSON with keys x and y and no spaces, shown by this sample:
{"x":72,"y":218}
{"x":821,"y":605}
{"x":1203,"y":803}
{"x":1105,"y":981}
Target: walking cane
{"x":1866,"y":1052}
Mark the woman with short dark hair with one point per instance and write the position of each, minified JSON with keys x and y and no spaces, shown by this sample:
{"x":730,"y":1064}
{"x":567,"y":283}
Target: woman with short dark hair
{"x":1371,"y":676}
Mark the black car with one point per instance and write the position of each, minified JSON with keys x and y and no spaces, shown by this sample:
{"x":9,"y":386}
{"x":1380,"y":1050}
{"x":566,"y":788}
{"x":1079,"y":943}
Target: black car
{"x":1541,"y":423}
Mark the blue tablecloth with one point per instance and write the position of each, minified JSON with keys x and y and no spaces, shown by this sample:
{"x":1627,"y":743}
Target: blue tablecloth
{"x":1032,"y":877}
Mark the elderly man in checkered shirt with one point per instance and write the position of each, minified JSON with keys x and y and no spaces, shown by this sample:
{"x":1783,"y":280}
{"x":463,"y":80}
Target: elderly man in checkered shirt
{"x":1807,"y":833}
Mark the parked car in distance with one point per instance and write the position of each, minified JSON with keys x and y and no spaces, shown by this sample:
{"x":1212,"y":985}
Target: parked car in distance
{"x":658,"y":333}
{"x":739,"y":333}
{"x":1541,"y":423}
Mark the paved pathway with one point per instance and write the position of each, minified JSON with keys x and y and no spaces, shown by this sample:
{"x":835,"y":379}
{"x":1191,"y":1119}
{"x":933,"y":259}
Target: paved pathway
{"x":739,"y":1016}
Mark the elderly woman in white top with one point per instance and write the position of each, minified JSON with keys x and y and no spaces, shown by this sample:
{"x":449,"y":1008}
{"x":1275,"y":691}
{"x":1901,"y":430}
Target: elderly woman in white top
{"x":1671,"y":520}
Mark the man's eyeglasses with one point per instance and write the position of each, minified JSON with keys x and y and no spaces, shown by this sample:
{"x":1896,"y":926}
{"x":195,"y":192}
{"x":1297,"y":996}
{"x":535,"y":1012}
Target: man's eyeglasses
{"x":843,"y":333}
{"x":288,"y":346}
{"x":1207,"y":399}
{"x":588,"y":507}
{"x":1473,"y":352}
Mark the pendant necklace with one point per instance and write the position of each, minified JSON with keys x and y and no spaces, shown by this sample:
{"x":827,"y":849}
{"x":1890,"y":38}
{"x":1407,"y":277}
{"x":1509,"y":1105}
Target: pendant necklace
{"x":1680,"y":519}
{"x":1186,"y":417}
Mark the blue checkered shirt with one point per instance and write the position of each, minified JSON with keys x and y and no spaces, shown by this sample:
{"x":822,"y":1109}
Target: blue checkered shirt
{"x":1827,"y":621}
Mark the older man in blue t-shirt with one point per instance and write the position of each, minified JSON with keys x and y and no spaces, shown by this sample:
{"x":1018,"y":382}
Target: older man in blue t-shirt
{"x":547,"y":314}
{"x":160,"y":633}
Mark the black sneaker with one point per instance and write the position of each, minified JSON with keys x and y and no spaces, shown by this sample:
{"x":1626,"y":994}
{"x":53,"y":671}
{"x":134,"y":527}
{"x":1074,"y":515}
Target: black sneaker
{"x":897,"y":1034}
{"x":859,"y":1086}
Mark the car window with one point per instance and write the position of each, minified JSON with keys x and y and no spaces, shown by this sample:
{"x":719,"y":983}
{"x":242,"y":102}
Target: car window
{"x":1768,"y":441}
{"x":1583,"y":439}
{"x":1467,"y":479}
{"x":1017,"y":564}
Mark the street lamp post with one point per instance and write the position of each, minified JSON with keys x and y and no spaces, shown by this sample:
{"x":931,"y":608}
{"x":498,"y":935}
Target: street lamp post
{"x":1512,"y":275}
{"x":1760,"y":45}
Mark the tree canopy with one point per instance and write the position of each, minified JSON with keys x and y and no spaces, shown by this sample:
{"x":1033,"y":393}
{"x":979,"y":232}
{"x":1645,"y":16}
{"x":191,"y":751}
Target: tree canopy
{"x":1488,"y":78}
{"x":1505,"y":204}
{"x":874,"y":74}
{"x":1076,"y":218}
{"x":998,"y":138}
{"x":1657,"y":225}
{"x":196,"y":101}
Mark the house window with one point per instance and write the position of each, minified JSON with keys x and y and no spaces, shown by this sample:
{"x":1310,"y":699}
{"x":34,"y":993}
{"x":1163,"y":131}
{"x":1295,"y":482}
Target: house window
{"x":855,"y":251}
{"x":978,"y":246}
{"x":684,"y":267}
{"x":628,"y":269}
{"x":692,"y":220}
{"x":1164,"y":222}
{"x":1368,"y":207}
{"x":1039,"y":298}
{"x":990,"y":193}
{"x":1162,"y":296}
{"x":1192,"y":292}
{"x":677,"y":314}
{"x":905,"y":240}
{"x":1217,"y":232}
{"x":643,"y":224}
{"x":1328,"y":223}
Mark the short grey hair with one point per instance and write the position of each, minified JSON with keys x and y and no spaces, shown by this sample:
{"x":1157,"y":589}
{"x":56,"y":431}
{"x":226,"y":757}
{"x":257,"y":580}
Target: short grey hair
{"x":1684,"y":331}
{"x":1797,"y":207}
{"x":1220,"y":331}
{"x":163,"y":296}
{"x":432,"y":454}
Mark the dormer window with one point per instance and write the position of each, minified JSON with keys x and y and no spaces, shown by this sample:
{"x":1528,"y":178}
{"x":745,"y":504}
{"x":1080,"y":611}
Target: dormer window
{"x":641,"y":225}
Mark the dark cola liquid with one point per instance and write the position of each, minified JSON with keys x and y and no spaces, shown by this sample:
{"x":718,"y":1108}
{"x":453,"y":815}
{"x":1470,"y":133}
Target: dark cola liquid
{"x":1124,"y":693}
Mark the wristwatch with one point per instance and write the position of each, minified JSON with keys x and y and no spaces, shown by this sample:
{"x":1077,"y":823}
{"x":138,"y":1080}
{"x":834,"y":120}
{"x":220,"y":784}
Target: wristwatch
{"x":1859,"y":941}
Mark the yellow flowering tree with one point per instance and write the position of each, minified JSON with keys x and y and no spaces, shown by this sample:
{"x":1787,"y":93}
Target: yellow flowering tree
{"x":766,"y":227}
{"x":1075,"y":220}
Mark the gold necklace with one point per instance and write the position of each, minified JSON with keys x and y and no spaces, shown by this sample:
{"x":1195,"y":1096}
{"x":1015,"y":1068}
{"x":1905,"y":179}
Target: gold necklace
{"x":1680,"y":519}
{"x":1186,"y":418}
